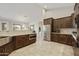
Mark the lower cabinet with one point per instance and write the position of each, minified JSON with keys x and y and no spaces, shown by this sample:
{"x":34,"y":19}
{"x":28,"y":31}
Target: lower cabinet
{"x":32,"y":38}
{"x":16,"y":43}
{"x":6,"y":49}
{"x":23,"y":40}
{"x":2,"y":51}
{"x":20,"y":41}
{"x":9,"y":48}
{"x":63,"y":38}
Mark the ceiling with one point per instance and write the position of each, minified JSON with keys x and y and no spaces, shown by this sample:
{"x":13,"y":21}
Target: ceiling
{"x":55,"y":5}
{"x":23,"y":12}
{"x":27,"y":12}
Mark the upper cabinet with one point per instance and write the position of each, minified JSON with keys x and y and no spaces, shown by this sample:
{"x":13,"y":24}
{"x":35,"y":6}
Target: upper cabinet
{"x":57,"y":24}
{"x":64,"y":22}
{"x":48,"y":21}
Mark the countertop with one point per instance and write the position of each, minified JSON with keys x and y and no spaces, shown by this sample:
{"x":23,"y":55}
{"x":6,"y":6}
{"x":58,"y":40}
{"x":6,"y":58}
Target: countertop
{"x":16,"y":33}
{"x":5,"y":36}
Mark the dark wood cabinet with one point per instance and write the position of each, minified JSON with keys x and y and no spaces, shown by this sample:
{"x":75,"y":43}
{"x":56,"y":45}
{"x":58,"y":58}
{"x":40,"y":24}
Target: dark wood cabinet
{"x":59,"y":38}
{"x":57,"y":24}
{"x":54,"y":37}
{"x":64,"y":22}
{"x":63,"y":38}
{"x":49,"y":21}
{"x":9,"y":48}
{"x":32,"y":38}
{"x":16,"y":43}
{"x":24,"y":40}
{"x":2,"y":51}
{"x":20,"y":41}
{"x":6,"y":49}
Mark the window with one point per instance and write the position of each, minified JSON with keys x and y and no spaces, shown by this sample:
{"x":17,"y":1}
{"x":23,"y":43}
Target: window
{"x":23,"y":27}
{"x":32,"y":27}
{"x":4,"y":26}
{"x":16,"y":27}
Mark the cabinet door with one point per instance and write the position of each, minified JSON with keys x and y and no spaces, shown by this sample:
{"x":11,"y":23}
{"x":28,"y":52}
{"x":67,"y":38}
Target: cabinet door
{"x":55,"y":37}
{"x":71,"y":41}
{"x":26,"y":42}
{"x":19,"y":41}
{"x":2,"y":51}
{"x":48,"y":21}
{"x":56,"y":25}
{"x":62,"y":38}
{"x":9,"y":48}
{"x":32,"y":38}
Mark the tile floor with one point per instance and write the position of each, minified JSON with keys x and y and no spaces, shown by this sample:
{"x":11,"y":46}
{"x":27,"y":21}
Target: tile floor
{"x":44,"y":48}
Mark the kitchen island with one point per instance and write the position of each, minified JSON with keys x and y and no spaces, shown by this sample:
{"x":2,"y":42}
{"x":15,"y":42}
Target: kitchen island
{"x":14,"y":40}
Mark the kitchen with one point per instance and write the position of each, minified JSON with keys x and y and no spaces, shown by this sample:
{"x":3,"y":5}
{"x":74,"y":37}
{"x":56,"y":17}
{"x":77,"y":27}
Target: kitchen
{"x":55,"y":33}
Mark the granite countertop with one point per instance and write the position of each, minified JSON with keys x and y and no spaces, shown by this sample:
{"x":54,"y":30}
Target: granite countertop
{"x":68,"y":31}
{"x":6,"y":34}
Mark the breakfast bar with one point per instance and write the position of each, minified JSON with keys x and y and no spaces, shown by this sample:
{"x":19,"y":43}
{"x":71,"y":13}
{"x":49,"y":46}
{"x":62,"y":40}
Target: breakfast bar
{"x":11,"y":42}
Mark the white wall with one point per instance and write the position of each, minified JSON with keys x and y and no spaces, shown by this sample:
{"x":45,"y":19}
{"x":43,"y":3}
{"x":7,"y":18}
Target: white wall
{"x":59,"y":12}
{"x":16,"y":12}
